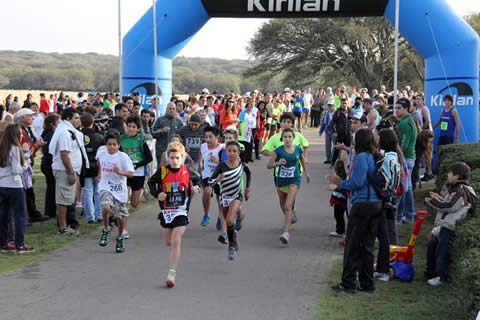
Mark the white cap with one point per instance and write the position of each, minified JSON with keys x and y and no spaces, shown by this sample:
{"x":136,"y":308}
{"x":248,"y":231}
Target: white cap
{"x":331,"y":102}
{"x":247,"y":94}
{"x":205,"y":90}
{"x":255,"y":91}
{"x":24,"y":112}
{"x":375,"y":103}
{"x":286,"y":90}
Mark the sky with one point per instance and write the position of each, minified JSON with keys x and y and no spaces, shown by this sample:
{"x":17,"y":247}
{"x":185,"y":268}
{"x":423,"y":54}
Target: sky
{"x":92,"y":26}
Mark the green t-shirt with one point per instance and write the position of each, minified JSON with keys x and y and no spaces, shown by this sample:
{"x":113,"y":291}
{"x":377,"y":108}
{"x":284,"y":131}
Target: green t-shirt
{"x":408,"y":136}
{"x":274,"y":142}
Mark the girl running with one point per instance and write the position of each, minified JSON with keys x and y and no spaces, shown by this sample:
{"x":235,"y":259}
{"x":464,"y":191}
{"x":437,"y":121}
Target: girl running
{"x":230,"y":172}
{"x":289,"y":178}
{"x":174,"y":186}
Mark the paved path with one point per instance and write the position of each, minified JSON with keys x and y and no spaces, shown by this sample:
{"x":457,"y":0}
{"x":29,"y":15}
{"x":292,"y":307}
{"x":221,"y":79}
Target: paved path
{"x":267,"y":281}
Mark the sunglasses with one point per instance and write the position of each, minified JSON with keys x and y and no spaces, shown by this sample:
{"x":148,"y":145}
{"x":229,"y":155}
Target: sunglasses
{"x":230,"y":101}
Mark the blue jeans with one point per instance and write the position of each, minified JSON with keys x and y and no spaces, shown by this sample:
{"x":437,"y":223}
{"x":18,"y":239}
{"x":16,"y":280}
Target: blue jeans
{"x":91,"y":200}
{"x":13,"y":199}
{"x":406,"y":208}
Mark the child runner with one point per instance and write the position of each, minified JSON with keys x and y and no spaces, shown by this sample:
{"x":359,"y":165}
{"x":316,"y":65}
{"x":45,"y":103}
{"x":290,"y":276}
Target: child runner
{"x":186,"y":158}
{"x":230,"y":172}
{"x":115,"y":167}
{"x":287,"y":120}
{"x":289,"y":178}
{"x":173,"y":185}
{"x":134,"y":145}
{"x":207,"y":163}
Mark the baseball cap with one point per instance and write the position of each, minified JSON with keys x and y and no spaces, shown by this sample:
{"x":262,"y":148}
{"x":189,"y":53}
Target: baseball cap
{"x":359,"y":116}
{"x":195,"y":118}
{"x":286,"y":90}
{"x":205,"y":90}
{"x":24,"y":112}
{"x":375,"y":103}
{"x":91,"y":93}
{"x":331,"y":102}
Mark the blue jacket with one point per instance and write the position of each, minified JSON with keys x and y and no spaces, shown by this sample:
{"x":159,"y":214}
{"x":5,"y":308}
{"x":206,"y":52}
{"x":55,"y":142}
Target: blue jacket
{"x":357,"y":184}
{"x":326,"y":123}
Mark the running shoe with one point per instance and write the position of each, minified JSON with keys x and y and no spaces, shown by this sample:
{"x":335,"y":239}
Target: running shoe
{"x":24,"y":249}
{"x":435,"y":281}
{"x":238,"y":224}
{"x":294,"y":216}
{"x":79,"y":204}
{"x":223,"y":238}
{"x":427,"y":177}
{"x":219,"y":224}
{"x":104,"y":238}
{"x":381,"y":276}
{"x":120,"y":247}
{"x":284,"y":238}
{"x":68,"y":232}
{"x":146,"y":191}
{"x":125,"y":234}
{"x":232,"y":254}
{"x":339,"y":287}
{"x":171,"y":278}
{"x":9,"y":248}
{"x":205,"y":221}
{"x":336,"y":234}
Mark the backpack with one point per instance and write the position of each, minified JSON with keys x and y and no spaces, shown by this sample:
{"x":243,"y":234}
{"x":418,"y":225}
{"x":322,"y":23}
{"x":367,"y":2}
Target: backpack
{"x":386,"y":179}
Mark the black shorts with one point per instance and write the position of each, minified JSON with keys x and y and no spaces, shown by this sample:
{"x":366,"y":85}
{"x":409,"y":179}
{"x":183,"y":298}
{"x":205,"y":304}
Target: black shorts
{"x":216,"y":188}
{"x":179,"y":221}
{"x":136,"y":183}
{"x":297,"y":114}
{"x":239,"y":197}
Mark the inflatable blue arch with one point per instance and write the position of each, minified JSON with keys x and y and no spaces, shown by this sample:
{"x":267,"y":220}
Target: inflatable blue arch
{"x":448,"y":44}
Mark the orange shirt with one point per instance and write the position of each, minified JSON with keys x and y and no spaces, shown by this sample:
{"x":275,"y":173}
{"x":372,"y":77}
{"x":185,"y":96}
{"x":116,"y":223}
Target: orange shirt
{"x":225,"y":120}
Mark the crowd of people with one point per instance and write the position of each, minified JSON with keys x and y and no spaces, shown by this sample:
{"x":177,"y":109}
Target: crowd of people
{"x":104,"y":152}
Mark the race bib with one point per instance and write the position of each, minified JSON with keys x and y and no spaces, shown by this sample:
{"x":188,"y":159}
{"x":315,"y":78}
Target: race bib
{"x":444,"y":126}
{"x":169,"y":215}
{"x":175,"y":199}
{"x":226,"y":200}
{"x":286,"y":172}
{"x":248,"y":134}
{"x":113,"y":187}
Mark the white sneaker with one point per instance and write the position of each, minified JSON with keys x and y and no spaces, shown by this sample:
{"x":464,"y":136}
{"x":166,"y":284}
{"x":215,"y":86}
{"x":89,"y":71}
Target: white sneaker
{"x":435,"y":282}
{"x":335,"y":234}
{"x":125,"y":234}
{"x":78,"y":205}
{"x":68,"y":232}
{"x":284,"y":238}
{"x":171,"y":279}
{"x":381,"y":276}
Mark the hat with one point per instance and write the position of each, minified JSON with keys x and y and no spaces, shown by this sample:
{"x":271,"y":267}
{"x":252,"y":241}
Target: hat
{"x":375,"y":103}
{"x":195,"y":118}
{"x":359,"y":116}
{"x":91,"y":93}
{"x":24,"y":112}
{"x":205,"y":90}
{"x":255,"y":91}
{"x":331,"y":102}
{"x":286,"y":90}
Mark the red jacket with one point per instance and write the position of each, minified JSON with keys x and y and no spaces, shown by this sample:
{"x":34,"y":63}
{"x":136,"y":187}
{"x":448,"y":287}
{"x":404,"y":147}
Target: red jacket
{"x":44,"y":106}
{"x":31,"y":143}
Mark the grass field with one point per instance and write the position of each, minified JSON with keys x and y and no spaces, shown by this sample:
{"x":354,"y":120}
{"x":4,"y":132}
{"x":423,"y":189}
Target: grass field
{"x":394,"y":299}
{"x":43,"y":236}
{"x":22,"y":94}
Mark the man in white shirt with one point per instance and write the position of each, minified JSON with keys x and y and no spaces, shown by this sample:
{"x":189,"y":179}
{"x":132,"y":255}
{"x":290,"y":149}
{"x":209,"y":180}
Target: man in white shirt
{"x":68,"y":153}
{"x":307,"y":105}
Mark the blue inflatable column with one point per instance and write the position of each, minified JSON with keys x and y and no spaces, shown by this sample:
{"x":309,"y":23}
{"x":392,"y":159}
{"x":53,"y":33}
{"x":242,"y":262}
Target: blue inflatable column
{"x":177,"y":23}
{"x":450,"y":48}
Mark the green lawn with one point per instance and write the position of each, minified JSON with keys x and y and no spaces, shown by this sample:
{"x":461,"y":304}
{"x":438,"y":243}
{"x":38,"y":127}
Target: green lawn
{"x":42,"y":236}
{"x":391,"y":300}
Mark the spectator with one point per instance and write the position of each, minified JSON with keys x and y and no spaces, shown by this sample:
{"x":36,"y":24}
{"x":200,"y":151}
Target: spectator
{"x":49,"y":125}
{"x":90,"y":196}
{"x":341,"y":127}
{"x":68,"y":153}
{"x":37,"y":124}
{"x":9,"y":116}
{"x":407,"y":138}
{"x":327,"y":128}
{"x":164,"y":127}
{"x":44,"y":105}
{"x":120,"y":118}
{"x":28,"y":101}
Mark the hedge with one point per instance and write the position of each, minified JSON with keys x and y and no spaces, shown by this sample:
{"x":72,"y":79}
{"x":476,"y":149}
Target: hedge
{"x":465,"y":252}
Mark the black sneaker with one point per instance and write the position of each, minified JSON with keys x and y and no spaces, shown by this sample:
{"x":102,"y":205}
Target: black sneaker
{"x":326,"y":162}
{"x":367,"y":290}
{"x":8,"y":248}
{"x":339,"y":287}
{"x":24,"y":249}
{"x":427,"y":177}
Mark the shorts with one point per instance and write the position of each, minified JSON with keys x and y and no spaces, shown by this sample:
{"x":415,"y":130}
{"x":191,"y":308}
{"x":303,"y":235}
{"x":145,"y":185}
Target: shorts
{"x":136,"y":183}
{"x":298,"y":114}
{"x":284,"y":189}
{"x":306,"y":110}
{"x":119,"y":209}
{"x":65,"y":193}
{"x":238,"y":197}
{"x":179,"y":221}
{"x":216,"y":187}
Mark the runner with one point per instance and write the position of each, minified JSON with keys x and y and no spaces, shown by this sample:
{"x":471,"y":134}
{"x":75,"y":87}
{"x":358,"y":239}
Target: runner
{"x":286,"y":121}
{"x":173,"y":185}
{"x":186,"y":158}
{"x":297,"y":111}
{"x":230,"y":172}
{"x":289,"y":178}
{"x":115,"y":167}
{"x":207,"y":162}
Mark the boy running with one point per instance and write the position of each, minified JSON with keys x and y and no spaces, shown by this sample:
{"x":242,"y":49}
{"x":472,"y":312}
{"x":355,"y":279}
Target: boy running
{"x":174,"y":186}
{"x":230,"y":173}
{"x":115,"y":167}
{"x":207,"y":162}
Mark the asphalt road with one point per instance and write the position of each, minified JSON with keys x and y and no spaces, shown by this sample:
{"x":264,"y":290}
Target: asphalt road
{"x":267,"y":281}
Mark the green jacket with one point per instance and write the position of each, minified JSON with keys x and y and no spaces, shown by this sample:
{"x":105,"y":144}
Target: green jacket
{"x":408,"y":136}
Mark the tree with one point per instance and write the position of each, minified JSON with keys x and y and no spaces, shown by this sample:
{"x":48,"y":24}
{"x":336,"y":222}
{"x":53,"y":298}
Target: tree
{"x":353,"y":50}
{"x":474,"y":21}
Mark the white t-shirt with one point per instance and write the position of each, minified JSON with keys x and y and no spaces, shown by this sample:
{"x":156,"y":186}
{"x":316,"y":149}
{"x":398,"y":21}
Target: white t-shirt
{"x":66,"y":142}
{"x":208,"y":165}
{"x":37,"y":126}
{"x":111,"y":181}
{"x":307,"y":100}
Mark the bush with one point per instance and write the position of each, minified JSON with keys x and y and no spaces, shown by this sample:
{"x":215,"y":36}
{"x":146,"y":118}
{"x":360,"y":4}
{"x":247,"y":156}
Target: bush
{"x":465,"y":252}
